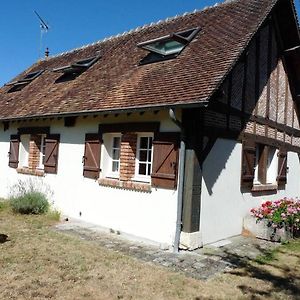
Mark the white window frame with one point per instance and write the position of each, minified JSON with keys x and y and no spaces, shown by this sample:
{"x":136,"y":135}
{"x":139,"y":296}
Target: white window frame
{"x":272,"y":166}
{"x":42,"y":155}
{"x":24,"y":151}
{"x":107,"y":160}
{"x":137,"y":176}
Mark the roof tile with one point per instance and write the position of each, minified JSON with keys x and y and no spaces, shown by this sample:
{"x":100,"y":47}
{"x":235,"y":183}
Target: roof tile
{"x":117,"y":81}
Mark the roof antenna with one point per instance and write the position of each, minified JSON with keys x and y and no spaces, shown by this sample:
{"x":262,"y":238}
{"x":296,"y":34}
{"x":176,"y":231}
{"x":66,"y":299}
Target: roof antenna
{"x":44,"y":29}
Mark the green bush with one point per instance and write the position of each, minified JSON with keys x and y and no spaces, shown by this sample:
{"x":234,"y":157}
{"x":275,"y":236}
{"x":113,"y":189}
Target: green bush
{"x":30,"y":203}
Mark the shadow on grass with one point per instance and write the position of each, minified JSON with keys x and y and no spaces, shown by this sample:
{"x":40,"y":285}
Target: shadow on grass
{"x":247,"y":267}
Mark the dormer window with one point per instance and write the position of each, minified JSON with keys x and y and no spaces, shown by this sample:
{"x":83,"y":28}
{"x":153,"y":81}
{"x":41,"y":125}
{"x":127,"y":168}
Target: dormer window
{"x":21,"y":83}
{"x":72,"y":71}
{"x":167,"y":46}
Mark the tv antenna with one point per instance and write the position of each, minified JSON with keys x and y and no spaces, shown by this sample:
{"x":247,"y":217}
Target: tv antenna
{"x":44,"y":29}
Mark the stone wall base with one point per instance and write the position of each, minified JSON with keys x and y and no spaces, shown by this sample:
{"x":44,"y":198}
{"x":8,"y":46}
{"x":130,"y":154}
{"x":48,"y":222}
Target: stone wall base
{"x":190,"y":241}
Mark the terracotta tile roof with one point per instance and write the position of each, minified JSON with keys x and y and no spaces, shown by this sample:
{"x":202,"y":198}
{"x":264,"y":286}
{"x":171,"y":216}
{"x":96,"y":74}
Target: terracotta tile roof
{"x":117,"y":81}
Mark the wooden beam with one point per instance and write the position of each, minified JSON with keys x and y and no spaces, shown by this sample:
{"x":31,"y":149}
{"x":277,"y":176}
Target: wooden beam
{"x":245,"y":70}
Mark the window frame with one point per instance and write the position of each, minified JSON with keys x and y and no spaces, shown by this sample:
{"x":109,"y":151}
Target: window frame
{"x":42,"y":152}
{"x":137,"y":176}
{"x":266,"y":165}
{"x":107,"y":159}
{"x":23,"y":153}
{"x":18,"y":85}
{"x":183,"y":37}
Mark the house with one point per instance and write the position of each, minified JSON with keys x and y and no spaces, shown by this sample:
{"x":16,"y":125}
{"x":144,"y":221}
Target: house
{"x":171,"y":132}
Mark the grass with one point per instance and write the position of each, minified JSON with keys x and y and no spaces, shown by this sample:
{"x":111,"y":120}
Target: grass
{"x":272,"y":255}
{"x":39,"y":263}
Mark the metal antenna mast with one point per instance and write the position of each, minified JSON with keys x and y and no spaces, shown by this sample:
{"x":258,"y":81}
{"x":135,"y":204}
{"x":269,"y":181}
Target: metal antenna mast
{"x":44,"y":29}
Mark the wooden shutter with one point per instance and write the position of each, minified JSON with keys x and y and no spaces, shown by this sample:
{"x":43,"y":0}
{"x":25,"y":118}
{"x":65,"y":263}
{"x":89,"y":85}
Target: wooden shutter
{"x":282,"y":167}
{"x":51,"y":153}
{"x":165,"y":160}
{"x":14,"y":151}
{"x":91,"y":158}
{"x":248,"y":164}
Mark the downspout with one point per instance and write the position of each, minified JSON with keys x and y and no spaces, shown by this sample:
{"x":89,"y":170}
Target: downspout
{"x":180,"y":184}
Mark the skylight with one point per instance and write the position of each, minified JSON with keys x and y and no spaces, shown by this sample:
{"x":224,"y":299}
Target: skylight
{"x":21,"y":83}
{"x":170,"y":45}
{"x":78,"y":67}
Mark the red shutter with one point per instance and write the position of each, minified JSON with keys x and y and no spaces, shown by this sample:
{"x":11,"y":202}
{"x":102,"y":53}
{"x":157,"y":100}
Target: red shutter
{"x":282,"y":167}
{"x":248,"y":164}
{"x":14,"y":151}
{"x":165,"y":160}
{"x":51,"y":153}
{"x":91,"y":158}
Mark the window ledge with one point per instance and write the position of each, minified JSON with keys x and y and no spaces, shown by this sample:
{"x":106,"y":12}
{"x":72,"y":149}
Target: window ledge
{"x":127,"y":185}
{"x":264,"y":187}
{"x":28,"y":171}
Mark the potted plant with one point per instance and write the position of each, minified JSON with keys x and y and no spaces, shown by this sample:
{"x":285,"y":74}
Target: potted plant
{"x":281,"y":218}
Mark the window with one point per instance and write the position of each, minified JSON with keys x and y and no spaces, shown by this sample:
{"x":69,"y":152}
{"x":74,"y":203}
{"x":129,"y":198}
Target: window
{"x":133,"y":155}
{"x":266,"y":165}
{"x":35,"y":146}
{"x":115,"y":154}
{"x":40,"y":143}
{"x":73,"y":70}
{"x":111,"y":156}
{"x":167,"y":46}
{"x":34,"y":154}
{"x":144,"y":157}
{"x":24,"y":150}
{"x":21,"y":83}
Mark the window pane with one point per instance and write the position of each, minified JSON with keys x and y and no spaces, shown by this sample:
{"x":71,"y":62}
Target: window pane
{"x":167,"y":47}
{"x":115,"y":166}
{"x":116,"y":142}
{"x":143,"y":155}
{"x":116,"y":154}
{"x":144,"y":143}
{"x":149,"y":169}
{"x":142,"y":169}
{"x":150,"y":143}
{"x":149,"y":155}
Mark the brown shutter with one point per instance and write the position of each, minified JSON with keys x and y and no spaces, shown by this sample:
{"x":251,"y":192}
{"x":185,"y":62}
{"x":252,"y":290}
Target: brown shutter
{"x":14,"y":151}
{"x":91,"y":158}
{"x":282,"y":167}
{"x":51,"y":153}
{"x":248,"y":164}
{"x":165,"y":160}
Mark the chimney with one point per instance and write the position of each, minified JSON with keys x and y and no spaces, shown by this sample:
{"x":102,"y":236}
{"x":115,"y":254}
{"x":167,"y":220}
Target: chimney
{"x":47,"y":52}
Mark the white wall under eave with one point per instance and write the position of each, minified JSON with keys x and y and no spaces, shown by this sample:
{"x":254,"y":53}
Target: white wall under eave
{"x":150,"y":216}
{"x":223,"y":204}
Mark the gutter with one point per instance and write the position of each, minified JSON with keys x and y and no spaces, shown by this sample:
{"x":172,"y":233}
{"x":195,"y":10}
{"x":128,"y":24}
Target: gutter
{"x":181,"y":182}
{"x":201,"y":103}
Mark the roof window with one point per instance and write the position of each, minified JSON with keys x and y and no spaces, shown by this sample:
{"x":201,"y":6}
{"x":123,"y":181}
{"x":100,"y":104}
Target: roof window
{"x":72,"y":71}
{"x":21,"y":83}
{"x":169,"y":46}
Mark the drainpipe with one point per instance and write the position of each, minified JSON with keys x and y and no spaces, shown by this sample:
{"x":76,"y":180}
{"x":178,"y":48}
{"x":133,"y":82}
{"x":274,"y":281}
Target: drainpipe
{"x":181,"y":178}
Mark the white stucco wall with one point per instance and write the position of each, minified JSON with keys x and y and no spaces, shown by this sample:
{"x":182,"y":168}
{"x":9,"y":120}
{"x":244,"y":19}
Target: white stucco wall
{"x":151,"y":216}
{"x":223,"y":205}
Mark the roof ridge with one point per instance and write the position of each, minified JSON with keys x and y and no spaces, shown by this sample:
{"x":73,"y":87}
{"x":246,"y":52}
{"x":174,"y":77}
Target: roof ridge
{"x":139,"y":28}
